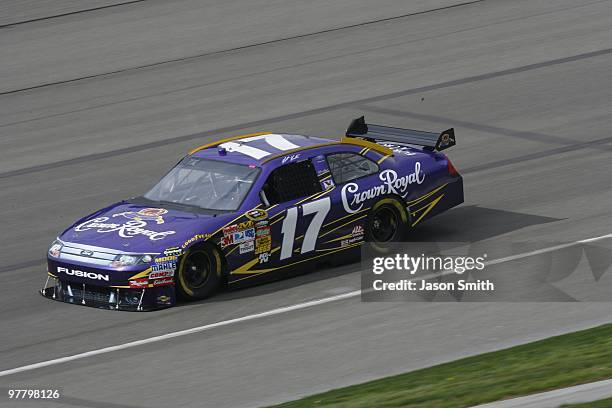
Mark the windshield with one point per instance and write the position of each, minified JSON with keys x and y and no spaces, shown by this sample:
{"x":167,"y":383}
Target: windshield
{"x":207,"y":184}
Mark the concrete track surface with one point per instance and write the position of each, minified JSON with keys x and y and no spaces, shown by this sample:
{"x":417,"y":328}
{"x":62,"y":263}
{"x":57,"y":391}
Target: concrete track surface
{"x":99,"y":98}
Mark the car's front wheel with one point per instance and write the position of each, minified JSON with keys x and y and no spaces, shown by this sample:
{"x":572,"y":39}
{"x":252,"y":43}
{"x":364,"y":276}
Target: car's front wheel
{"x":199,"y":273}
{"x":387,"y":223}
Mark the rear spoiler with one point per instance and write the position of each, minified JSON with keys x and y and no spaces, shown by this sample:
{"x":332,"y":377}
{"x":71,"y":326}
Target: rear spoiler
{"x":373,"y":133}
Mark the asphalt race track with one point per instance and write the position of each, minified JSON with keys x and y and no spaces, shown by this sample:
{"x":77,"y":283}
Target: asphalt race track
{"x":99,"y":98}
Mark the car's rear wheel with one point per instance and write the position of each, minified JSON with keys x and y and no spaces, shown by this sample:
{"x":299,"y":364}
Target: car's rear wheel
{"x":387,"y":223}
{"x":199,"y":273}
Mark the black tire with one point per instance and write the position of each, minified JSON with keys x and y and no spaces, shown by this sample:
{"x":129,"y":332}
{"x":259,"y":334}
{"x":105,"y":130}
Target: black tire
{"x":387,"y":223}
{"x":199,"y":273}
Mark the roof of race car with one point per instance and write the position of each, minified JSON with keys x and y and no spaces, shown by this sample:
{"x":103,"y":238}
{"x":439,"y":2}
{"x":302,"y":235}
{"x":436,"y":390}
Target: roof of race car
{"x":258,"y":148}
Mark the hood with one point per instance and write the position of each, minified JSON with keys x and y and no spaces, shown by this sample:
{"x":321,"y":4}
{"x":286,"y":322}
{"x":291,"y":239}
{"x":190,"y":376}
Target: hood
{"x":140,"y":228}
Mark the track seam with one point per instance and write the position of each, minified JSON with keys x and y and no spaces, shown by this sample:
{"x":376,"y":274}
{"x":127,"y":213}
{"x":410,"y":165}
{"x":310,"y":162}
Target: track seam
{"x":71,"y":13}
{"x":208,"y":54}
{"x":281,"y":68}
{"x":427,"y":88}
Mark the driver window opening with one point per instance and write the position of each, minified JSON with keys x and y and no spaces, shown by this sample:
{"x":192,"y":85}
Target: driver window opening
{"x":292,"y":181}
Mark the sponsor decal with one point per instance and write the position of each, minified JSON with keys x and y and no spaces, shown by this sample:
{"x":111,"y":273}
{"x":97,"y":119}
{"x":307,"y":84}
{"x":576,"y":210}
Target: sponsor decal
{"x":264,"y":257}
{"x":262,"y":223}
{"x":445,"y":140}
{"x":247,"y":247}
{"x":263,"y":232}
{"x":246,"y":235}
{"x":242,"y":236}
{"x":161,"y":274}
{"x":163,"y":267}
{"x":128,"y":229}
{"x":231,"y":229}
{"x":349,"y":241}
{"x":263,"y":244}
{"x":257,"y":215}
{"x":146,"y":214}
{"x":82,"y":274}
{"x":173,"y":251}
{"x":353,"y":199}
{"x":358,"y":231}
{"x":166,"y":259}
{"x":196,"y":237}
{"x":227,"y":240}
{"x":327,"y":184}
{"x":164,"y":300}
{"x":290,"y":158}
{"x":238,"y":233}
{"x":163,"y":282}
{"x":139,"y":283}
{"x":405,"y":150}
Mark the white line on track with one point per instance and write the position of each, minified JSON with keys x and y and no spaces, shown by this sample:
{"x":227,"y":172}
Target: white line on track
{"x":272,"y":312}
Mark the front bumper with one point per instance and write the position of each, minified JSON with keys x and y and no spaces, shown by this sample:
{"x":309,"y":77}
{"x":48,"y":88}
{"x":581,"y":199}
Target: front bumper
{"x":84,"y":275}
{"x":108,"y":297}
{"x":127,"y":299}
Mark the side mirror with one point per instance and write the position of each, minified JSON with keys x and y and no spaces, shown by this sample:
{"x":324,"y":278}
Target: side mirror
{"x":264,"y":198}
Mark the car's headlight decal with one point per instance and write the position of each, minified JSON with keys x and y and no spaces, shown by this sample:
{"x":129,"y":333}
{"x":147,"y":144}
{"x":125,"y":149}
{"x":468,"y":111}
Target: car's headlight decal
{"x":55,"y":250}
{"x":131,"y":259}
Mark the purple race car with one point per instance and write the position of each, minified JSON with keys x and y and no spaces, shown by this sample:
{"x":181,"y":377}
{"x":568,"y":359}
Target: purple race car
{"x":247,"y":206}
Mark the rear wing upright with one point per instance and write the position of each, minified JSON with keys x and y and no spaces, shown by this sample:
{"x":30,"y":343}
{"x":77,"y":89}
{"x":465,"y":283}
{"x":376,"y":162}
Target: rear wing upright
{"x":373,"y":133}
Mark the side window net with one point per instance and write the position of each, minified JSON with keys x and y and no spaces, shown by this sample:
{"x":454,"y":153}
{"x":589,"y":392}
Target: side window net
{"x":292,"y":181}
{"x":349,"y":166}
